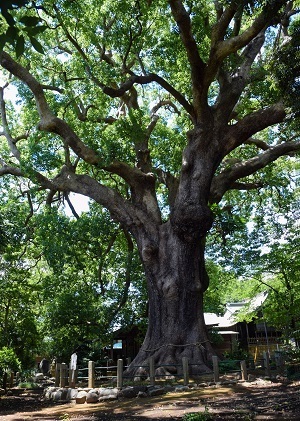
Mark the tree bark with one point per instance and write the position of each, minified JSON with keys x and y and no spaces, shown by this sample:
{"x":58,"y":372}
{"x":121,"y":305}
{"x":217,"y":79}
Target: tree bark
{"x":172,"y":252}
{"x":177,"y":279}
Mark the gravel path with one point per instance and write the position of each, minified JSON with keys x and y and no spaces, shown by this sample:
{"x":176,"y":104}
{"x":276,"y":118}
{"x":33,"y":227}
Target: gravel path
{"x":258,"y":400}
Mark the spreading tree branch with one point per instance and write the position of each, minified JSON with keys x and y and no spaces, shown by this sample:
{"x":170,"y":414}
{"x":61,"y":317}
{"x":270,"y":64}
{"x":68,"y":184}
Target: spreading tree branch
{"x":30,"y":215}
{"x":121,"y":210}
{"x":231,"y":45}
{"x":232,"y":86}
{"x":50,"y":123}
{"x":251,"y":124}
{"x":222,"y":47}
{"x":7,"y":169}
{"x":6,"y":132}
{"x":227,"y":178}
{"x":258,"y":143}
{"x":142,"y":80}
{"x":197,"y":65}
{"x":171,"y":182}
{"x":246,"y":186}
{"x":66,"y":196}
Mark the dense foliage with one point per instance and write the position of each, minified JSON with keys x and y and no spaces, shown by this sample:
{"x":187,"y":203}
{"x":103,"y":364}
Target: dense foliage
{"x":176,"y":119}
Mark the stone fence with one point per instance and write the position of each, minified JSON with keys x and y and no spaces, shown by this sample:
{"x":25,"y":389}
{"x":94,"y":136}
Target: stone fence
{"x":92,"y":374}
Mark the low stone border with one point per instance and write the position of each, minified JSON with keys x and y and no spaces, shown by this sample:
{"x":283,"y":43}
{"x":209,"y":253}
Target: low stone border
{"x":87,"y":395}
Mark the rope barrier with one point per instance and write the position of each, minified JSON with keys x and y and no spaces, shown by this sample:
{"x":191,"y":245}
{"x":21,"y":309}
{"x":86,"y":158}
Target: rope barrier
{"x":176,"y":345}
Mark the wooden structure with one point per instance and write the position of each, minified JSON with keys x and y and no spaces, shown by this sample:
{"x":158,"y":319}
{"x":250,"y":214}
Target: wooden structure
{"x":255,"y":337}
{"x":126,"y":344}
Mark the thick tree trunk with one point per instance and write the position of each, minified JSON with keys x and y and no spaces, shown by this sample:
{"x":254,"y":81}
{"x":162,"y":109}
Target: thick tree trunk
{"x":176,"y":279}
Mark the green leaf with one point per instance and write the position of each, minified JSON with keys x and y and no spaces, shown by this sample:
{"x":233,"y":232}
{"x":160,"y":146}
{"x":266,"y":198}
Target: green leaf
{"x":35,"y":30}
{"x":36,"y":45}
{"x":20,"y":46}
{"x":30,"y":20}
{"x":11,"y":34}
{"x":8,"y":17}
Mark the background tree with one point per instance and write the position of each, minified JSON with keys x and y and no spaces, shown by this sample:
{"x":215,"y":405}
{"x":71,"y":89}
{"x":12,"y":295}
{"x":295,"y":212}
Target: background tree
{"x":8,"y":363}
{"x":19,"y":284}
{"x":269,"y":263}
{"x":93,"y":268}
{"x":275,"y":267}
{"x":154,"y":111}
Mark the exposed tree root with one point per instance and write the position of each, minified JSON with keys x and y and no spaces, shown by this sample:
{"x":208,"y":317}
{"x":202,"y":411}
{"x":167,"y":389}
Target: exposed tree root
{"x":168,"y":362}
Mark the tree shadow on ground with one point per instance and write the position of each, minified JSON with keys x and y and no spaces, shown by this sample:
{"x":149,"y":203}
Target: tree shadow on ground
{"x":259,"y":400}
{"x":242,"y":401}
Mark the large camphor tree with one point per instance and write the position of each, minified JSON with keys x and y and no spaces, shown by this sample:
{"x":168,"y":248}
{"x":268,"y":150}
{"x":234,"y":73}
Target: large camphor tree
{"x":154,"y":110}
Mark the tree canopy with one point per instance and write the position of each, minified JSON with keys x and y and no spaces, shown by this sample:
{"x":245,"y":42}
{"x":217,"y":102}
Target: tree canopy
{"x":167,"y":114}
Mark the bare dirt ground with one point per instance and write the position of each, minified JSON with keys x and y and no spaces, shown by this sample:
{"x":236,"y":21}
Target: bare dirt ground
{"x":257,"y":400}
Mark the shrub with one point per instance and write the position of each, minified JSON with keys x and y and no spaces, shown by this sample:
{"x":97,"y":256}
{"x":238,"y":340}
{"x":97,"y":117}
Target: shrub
{"x":28,"y":385}
{"x":198,"y":416}
{"x":227,"y":366}
{"x":291,"y":354}
{"x":236,"y":354}
{"x":8,"y":362}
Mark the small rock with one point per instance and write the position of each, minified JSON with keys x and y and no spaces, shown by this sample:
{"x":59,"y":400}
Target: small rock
{"x":108,"y":392}
{"x":81,"y":397}
{"x":49,"y":392}
{"x":108,"y":398}
{"x":142,"y":395}
{"x":92,"y":397}
{"x":131,"y":391}
{"x":157,"y":391}
{"x":181,"y":388}
{"x":56,"y":396}
{"x":72,"y":393}
{"x":60,"y":395}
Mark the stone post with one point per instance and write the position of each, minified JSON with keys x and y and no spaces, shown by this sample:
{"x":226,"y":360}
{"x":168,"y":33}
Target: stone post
{"x":57,"y":374}
{"x":73,"y":378}
{"x":185,"y":367}
{"x":267,"y":363}
{"x":91,"y":366}
{"x":279,"y":361}
{"x":120,"y":374}
{"x":244,"y":370}
{"x":63,"y":374}
{"x":215,"y":361}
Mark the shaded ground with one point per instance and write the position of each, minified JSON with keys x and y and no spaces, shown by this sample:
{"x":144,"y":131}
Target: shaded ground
{"x":258,"y":400}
